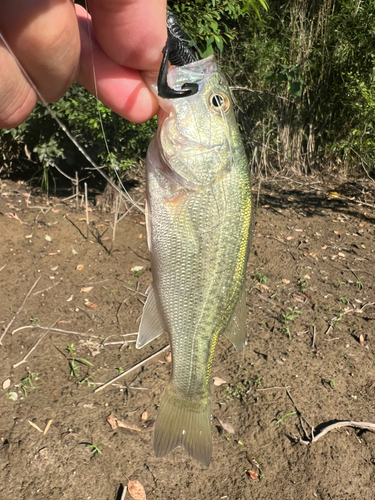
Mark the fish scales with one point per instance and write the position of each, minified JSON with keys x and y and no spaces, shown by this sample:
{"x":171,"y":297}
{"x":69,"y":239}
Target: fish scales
{"x":199,"y":213}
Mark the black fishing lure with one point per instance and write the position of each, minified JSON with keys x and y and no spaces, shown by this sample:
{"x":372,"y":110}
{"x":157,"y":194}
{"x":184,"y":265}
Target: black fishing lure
{"x":178,"y":53}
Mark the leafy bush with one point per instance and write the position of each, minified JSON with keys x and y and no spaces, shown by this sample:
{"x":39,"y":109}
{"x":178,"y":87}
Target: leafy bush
{"x":41,"y":140}
{"x":305,"y":77}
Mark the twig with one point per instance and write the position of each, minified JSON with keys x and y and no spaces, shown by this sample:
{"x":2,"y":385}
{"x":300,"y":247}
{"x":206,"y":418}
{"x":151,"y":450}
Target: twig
{"x":46,"y":289}
{"x":124,"y":386}
{"x":35,"y":346}
{"x":87,"y":211}
{"x":35,"y":426}
{"x":313,"y":338}
{"x":357,"y":310}
{"x":118,"y":312}
{"x":76,"y":184}
{"x":133,"y":368}
{"x":117,"y":208}
{"x":19,"y":310}
{"x":117,"y":342}
{"x":131,"y":208}
{"x":273,"y":388}
{"x":135,"y":291}
{"x":62,"y":173}
{"x":301,"y":418}
{"x":46,"y":429}
{"x":124,"y":493}
{"x":336,"y":425}
{"x":1,"y":268}
{"x":258,"y":195}
{"x":140,"y":256}
{"x":352,"y":271}
{"x":57,"y":330}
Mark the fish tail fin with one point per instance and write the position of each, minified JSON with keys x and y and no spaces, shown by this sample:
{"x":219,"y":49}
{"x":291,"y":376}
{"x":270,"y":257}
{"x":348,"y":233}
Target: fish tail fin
{"x":183,"y":422}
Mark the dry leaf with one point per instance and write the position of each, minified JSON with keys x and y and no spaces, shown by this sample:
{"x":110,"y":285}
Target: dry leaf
{"x":227,"y":427}
{"x":136,"y":490}
{"x":307,"y":277}
{"x":285,"y":281}
{"x":362,"y":340}
{"x":131,"y":427}
{"x":325,"y":247}
{"x":79,"y":267}
{"x":93,"y":305}
{"x":144,"y":416}
{"x":254,"y":475}
{"x":261,"y":287}
{"x":336,"y":232}
{"x":300,"y":297}
{"x":219,"y":381}
{"x":86,"y":289}
{"x":168,"y":357}
{"x":112,"y":420}
{"x":136,"y":269}
{"x":6,"y":383}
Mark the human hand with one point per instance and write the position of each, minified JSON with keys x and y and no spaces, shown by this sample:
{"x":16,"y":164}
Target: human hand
{"x":51,"y":39}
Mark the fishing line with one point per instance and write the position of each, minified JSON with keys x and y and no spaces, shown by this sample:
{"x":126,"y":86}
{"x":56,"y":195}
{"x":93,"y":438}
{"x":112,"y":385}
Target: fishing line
{"x":113,"y":164}
{"x":63,"y":127}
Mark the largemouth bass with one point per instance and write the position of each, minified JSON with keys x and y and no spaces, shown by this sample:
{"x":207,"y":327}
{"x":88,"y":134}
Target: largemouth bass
{"x":198,"y":223}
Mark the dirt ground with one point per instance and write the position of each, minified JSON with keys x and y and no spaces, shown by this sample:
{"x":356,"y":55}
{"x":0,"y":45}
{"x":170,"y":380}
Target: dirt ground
{"x":309,"y":358}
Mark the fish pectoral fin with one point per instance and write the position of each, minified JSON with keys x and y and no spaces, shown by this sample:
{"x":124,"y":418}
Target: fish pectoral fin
{"x":236,"y":329}
{"x":152,"y":325}
{"x":183,"y":422}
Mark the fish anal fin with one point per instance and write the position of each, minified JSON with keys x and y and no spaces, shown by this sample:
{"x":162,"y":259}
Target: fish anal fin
{"x":236,"y":329}
{"x":151,"y":325}
{"x":185,"y":423}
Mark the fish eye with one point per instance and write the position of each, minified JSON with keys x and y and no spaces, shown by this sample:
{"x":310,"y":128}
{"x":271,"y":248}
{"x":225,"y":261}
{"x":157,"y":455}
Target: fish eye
{"x":219,"y":102}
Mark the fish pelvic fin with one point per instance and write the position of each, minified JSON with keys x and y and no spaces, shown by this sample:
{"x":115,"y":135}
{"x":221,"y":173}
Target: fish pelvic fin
{"x":183,"y":422}
{"x":236,"y":329}
{"x":152,"y":325}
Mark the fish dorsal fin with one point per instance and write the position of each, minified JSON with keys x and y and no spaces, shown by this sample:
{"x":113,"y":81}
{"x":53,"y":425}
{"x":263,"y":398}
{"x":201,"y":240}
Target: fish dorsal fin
{"x":236,"y":329}
{"x":151,"y":323}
